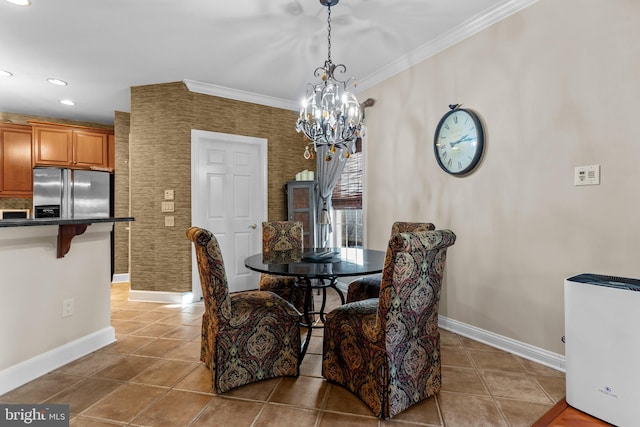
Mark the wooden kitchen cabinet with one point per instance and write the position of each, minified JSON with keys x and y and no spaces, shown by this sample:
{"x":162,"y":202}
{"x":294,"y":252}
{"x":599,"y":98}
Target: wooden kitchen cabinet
{"x":91,"y":148}
{"x":75,"y":147}
{"x":16,"y":175}
{"x":52,"y":146}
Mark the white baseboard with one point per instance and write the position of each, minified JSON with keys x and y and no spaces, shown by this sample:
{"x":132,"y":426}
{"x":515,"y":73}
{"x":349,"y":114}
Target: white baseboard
{"x":121,"y":278}
{"x":535,"y":354}
{"x":161,"y":296}
{"x":20,"y":374}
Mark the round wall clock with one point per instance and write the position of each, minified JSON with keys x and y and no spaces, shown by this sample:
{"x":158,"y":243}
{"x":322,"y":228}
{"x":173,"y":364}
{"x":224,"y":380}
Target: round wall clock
{"x":458,"y":141}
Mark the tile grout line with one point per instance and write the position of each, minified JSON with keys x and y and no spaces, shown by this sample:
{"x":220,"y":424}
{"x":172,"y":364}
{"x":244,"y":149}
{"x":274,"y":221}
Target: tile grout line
{"x":129,"y":381}
{"x":535,"y":381}
{"x":323,"y":405}
{"x":486,"y":386}
{"x":322,"y":413}
{"x":443,"y":423}
{"x":265,"y":403}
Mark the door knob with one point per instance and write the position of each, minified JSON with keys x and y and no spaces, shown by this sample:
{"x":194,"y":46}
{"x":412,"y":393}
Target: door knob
{"x":254,"y":226}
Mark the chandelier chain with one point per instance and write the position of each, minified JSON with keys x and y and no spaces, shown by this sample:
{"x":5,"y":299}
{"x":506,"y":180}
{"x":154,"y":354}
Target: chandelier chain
{"x":329,"y":33}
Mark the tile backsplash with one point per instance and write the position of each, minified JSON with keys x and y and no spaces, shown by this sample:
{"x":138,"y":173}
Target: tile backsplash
{"x":15,"y":203}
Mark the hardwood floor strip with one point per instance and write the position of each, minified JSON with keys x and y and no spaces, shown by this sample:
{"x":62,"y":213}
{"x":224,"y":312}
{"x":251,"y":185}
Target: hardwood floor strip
{"x":563,"y":415}
{"x":552,"y":414}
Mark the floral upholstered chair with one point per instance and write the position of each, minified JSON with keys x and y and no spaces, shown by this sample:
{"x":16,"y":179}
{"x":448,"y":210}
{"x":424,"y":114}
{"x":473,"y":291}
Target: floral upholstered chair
{"x":281,"y":240}
{"x":369,"y":286}
{"x":387,"y":350}
{"x":248,"y":336}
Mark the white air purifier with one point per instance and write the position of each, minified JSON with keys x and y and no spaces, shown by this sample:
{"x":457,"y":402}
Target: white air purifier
{"x":603,"y":347}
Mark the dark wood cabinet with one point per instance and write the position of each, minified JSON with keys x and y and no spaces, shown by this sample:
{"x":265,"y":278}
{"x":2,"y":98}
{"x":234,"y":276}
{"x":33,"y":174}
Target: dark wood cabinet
{"x":302,"y":200}
{"x":16,"y":176}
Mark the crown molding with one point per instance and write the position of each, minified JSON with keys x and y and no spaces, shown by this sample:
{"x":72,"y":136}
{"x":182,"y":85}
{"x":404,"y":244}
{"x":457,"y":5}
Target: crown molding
{"x":446,"y":40}
{"x":240,"y":95}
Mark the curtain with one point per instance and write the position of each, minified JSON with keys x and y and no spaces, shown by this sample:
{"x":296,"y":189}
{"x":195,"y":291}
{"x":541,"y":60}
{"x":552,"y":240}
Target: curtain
{"x":328,"y":171}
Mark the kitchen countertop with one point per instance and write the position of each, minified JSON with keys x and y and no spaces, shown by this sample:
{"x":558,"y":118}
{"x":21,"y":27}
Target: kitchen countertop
{"x":22,"y":222}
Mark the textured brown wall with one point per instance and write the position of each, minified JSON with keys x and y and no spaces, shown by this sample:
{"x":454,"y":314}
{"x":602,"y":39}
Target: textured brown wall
{"x":121,"y":192}
{"x":162,"y":117}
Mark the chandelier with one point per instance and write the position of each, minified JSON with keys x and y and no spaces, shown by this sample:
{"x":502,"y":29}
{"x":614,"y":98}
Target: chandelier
{"x":330,"y":114}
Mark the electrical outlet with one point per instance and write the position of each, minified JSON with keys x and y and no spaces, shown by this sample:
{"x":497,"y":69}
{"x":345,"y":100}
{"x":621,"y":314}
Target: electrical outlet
{"x":67,"y":307}
{"x":168,"y":206}
{"x":168,"y":221}
{"x":168,"y":194}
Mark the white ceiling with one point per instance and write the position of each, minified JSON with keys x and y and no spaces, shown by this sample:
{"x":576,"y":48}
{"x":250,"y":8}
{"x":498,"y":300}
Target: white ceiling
{"x":263,"y":51}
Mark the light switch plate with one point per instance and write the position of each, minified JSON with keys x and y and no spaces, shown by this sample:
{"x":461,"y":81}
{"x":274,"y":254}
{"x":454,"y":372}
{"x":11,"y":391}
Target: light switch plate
{"x":168,"y":206}
{"x":587,"y":175}
{"x":168,"y":194}
{"x":169,"y":221}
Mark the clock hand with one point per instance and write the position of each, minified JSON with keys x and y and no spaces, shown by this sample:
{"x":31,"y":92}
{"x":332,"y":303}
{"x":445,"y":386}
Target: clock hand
{"x":454,"y":143}
{"x":463,"y":139}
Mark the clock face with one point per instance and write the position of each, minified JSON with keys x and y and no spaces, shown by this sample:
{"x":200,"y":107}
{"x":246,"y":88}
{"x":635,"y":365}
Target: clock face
{"x":458,"y":141}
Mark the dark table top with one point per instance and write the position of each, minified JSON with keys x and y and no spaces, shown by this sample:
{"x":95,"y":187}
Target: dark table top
{"x":340,"y":262}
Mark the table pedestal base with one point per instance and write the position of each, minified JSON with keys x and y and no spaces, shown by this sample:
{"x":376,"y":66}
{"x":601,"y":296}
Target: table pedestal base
{"x":309,"y":314}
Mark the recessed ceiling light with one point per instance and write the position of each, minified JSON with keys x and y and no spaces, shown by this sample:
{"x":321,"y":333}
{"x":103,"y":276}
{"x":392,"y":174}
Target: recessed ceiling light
{"x":57,"y":82}
{"x":67,"y":102}
{"x":5,"y":73}
{"x":20,"y":2}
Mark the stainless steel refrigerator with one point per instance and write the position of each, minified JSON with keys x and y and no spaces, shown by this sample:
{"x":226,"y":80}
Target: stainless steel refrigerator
{"x":70,"y":193}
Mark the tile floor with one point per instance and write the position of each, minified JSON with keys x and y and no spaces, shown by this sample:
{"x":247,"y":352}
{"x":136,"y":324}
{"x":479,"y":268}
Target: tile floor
{"x":152,"y":377}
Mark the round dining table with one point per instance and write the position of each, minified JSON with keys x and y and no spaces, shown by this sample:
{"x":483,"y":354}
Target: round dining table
{"x":320,"y":269}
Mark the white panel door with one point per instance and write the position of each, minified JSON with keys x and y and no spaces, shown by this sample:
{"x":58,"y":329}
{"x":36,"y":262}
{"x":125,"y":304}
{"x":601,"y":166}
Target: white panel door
{"x":229,"y":198}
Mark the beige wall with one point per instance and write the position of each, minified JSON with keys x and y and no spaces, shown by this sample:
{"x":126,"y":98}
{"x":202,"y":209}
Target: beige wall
{"x":162,"y":117}
{"x":558,"y":86}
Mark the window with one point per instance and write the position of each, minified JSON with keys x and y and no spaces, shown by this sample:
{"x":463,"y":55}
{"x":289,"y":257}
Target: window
{"x":347,"y":228}
{"x":347,"y":215}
